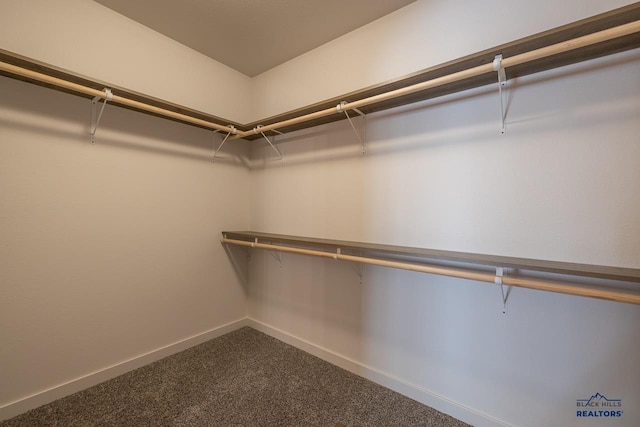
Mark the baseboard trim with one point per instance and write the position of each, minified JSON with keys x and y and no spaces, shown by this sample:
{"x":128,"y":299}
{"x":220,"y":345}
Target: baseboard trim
{"x":385,"y":379}
{"x":27,"y":403}
{"x":399,"y":385}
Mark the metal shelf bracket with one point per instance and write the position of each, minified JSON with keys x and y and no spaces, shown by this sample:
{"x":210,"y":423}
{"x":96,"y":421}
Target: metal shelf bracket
{"x":257,"y":130}
{"x":277,"y":255}
{"x":502,"y":81}
{"x":505,"y":295}
{"x":94,"y":106}
{"x":359,"y":268}
{"x":232,"y":132}
{"x":340,"y":109}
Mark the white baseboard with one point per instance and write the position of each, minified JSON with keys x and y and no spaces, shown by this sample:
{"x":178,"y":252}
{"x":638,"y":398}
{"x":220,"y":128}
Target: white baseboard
{"x":387,"y":380}
{"x":27,"y":403}
{"x":399,"y":385}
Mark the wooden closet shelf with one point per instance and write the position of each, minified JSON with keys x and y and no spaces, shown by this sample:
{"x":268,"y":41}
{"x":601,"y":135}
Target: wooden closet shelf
{"x":434,"y":261}
{"x":555,"y":267}
{"x":561,"y":45}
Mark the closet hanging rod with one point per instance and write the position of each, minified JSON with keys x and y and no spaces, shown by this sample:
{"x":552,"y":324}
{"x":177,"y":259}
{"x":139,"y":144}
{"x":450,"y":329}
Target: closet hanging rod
{"x":75,"y":87}
{"x":544,"y":52}
{"x":610,"y":34}
{"x":542,"y":285}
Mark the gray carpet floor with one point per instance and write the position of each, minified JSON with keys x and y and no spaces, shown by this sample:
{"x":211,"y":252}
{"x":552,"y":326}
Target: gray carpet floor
{"x":244,"y":378}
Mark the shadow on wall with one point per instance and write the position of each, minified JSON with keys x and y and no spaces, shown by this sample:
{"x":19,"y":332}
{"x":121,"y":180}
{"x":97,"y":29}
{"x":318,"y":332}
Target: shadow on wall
{"x":337,"y":141}
{"x":239,"y":257}
{"x":324,"y":297}
{"x":602,"y":373}
{"x":66,"y":117}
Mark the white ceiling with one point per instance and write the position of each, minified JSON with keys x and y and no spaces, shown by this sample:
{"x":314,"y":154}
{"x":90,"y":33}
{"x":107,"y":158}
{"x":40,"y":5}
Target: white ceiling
{"x":253,"y":36}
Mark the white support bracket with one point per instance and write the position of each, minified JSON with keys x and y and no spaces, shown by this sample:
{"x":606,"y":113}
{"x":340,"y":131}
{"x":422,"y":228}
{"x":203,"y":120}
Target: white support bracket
{"x":360,"y":113}
{"x":231,"y":132}
{"x":359,"y":268}
{"x":94,"y":104}
{"x":502,"y":81}
{"x":340,"y":109}
{"x":257,"y":130}
{"x":498,"y":281}
{"x":277,"y":255}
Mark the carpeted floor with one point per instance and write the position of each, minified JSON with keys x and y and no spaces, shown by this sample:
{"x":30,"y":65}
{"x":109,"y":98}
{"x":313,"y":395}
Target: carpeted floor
{"x":244,"y":378}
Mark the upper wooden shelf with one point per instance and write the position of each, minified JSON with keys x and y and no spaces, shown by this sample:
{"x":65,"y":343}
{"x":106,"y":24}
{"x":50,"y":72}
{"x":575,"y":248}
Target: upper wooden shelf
{"x":580,"y":28}
{"x":555,"y":267}
{"x":614,"y":18}
{"x":50,"y":70}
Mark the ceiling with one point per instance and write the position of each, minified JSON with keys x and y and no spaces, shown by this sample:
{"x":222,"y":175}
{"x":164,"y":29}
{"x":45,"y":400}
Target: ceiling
{"x":253,"y":36}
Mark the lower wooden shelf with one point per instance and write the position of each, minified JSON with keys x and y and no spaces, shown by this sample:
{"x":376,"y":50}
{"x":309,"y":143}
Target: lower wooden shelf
{"x":465,"y":265}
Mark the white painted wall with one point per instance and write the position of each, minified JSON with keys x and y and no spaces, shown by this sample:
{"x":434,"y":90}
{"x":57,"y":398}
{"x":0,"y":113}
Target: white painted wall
{"x":560,"y":185}
{"x":88,"y":38}
{"x":418,"y":36}
{"x":107,"y":251}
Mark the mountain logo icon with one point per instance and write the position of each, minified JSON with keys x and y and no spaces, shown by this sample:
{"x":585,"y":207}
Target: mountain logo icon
{"x":599,"y":399}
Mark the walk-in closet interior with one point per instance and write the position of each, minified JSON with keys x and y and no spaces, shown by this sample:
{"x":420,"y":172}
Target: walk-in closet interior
{"x":407,"y":212}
